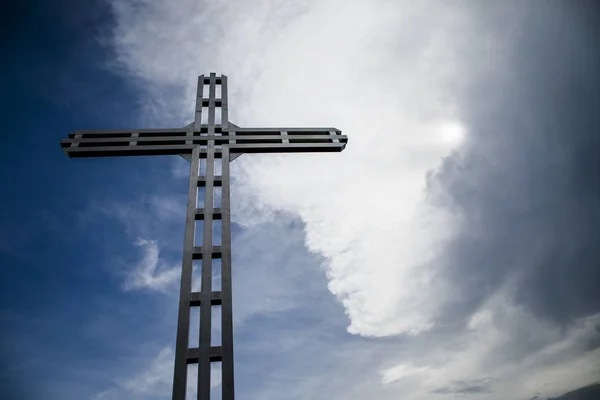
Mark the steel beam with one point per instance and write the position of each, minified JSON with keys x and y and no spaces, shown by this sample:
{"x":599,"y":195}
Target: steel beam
{"x":117,"y":151}
{"x":204,"y":358}
{"x":197,"y":139}
{"x":183,"y":321}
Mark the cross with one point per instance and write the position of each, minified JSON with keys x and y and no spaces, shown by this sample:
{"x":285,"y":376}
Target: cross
{"x":211,"y":138}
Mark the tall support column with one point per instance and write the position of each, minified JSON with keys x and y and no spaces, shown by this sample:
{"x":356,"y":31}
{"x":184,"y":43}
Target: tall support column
{"x":226,"y":289}
{"x":204,"y":358}
{"x":183,"y":322}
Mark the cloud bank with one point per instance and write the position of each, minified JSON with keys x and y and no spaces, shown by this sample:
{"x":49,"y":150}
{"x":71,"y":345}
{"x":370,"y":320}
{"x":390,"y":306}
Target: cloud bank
{"x":462,"y":214}
{"x":368,"y":76}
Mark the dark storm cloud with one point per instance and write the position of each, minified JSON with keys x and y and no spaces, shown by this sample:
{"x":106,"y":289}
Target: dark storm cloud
{"x":528,"y":182}
{"x":474,"y":386}
{"x":591,"y":392}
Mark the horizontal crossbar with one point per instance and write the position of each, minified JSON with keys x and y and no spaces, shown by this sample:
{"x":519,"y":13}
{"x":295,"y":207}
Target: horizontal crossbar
{"x":198,"y":140}
{"x":193,"y":354}
{"x":218,"y":80}
{"x":142,"y":142}
{"x":200,"y":214}
{"x":216,"y":252}
{"x":216,"y":298}
{"x":110,"y":133}
{"x":146,"y":133}
{"x":287,"y":148}
{"x":290,"y":131}
{"x":138,"y":150}
{"x":217,"y":181}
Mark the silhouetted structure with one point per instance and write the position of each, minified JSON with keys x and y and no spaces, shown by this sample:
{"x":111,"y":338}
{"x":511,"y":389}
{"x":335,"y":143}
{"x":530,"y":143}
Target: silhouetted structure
{"x":212,"y":140}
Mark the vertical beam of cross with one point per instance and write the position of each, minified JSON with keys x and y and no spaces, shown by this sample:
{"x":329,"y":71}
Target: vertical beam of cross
{"x":206,"y":288}
{"x":185,"y":290}
{"x":206,"y":298}
{"x":226,"y":286}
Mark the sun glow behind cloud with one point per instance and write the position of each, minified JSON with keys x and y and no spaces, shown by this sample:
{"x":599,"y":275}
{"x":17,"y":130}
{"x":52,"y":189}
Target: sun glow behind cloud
{"x":452,"y":133}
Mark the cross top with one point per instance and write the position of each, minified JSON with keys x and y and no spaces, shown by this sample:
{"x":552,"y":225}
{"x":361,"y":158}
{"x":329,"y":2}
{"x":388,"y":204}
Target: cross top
{"x":213,"y":138}
{"x":207,"y":126}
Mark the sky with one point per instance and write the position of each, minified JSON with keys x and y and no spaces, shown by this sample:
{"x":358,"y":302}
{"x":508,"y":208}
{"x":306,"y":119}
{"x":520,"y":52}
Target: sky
{"x":450,"y":251}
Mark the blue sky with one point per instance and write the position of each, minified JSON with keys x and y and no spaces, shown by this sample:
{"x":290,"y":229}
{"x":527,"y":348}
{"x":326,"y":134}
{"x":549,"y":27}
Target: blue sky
{"x":450,"y":251}
{"x":51,"y":289}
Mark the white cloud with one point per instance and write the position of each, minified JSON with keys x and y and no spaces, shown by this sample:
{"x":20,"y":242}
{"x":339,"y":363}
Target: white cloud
{"x":152,"y":222}
{"x":150,"y":272}
{"x":156,"y":377}
{"x":354,"y":65}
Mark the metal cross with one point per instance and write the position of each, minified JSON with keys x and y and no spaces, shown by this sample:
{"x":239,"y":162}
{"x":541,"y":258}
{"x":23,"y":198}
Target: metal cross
{"x":212,"y":141}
